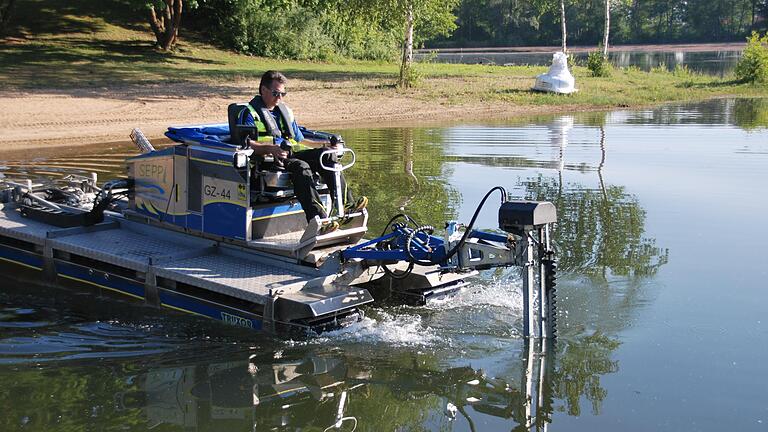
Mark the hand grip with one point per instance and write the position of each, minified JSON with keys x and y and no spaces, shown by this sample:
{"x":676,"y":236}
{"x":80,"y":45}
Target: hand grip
{"x":337,"y":167}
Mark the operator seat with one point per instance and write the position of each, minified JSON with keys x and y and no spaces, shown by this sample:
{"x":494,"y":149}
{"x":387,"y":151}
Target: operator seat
{"x":269,"y":181}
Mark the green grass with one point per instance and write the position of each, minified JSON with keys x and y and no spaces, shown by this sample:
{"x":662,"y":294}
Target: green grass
{"x":89,"y":44}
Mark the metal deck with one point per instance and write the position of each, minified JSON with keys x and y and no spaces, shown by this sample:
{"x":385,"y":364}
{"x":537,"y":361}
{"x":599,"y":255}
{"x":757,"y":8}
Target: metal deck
{"x":175,"y":256}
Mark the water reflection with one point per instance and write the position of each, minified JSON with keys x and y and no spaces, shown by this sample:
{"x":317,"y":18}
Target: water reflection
{"x":717,"y":62}
{"x":471,"y":370}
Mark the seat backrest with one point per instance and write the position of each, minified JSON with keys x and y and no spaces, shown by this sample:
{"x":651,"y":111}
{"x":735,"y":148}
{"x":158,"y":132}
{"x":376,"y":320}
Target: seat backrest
{"x":237,"y":132}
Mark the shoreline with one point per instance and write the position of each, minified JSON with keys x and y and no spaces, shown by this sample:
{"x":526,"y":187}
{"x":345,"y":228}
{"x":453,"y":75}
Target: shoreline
{"x":74,"y":117}
{"x":678,"y":47}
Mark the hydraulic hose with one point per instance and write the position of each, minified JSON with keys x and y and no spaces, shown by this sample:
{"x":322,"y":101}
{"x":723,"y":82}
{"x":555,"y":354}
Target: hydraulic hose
{"x":461,"y":242}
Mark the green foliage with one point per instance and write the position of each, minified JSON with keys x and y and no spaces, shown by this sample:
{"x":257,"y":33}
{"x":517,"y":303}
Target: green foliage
{"x":753,"y":64}
{"x":598,"y":65}
{"x":537,"y":22}
{"x":297,"y":30}
{"x":323,"y":30}
{"x":410,"y":76}
{"x":682,"y":71}
{"x":660,"y":68}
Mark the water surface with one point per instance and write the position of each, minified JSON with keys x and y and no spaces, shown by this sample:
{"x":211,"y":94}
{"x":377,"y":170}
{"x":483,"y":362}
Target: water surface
{"x":714,"y":62}
{"x":661,"y":298}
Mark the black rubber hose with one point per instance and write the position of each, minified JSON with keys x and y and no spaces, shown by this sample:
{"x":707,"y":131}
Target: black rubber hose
{"x":468,"y":230}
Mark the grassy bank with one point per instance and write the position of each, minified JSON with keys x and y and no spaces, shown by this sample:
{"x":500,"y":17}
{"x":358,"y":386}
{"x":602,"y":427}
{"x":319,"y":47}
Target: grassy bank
{"x":79,"y":48}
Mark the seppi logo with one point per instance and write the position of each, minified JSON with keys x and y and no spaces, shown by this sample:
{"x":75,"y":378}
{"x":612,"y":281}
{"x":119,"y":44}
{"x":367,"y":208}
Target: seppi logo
{"x":153,"y":171}
{"x":236,"y":320}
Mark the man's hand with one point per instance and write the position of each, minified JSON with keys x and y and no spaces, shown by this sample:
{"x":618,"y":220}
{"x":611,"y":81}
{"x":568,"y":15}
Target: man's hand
{"x":264,"y":149}
{"x":276,"y":151}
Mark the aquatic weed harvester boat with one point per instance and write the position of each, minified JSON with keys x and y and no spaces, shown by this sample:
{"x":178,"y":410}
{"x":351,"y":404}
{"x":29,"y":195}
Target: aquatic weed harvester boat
{"x":205,"y":227}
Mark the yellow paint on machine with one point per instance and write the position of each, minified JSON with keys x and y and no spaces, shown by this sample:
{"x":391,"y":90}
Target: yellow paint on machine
{"x":277,"y":215}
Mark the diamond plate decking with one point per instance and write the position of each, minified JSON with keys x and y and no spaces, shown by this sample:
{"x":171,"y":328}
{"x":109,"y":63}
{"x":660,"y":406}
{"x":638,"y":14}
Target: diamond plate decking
{"x":174,"y":256}
{"x":231,"y":275}
{"x":13,"y":224}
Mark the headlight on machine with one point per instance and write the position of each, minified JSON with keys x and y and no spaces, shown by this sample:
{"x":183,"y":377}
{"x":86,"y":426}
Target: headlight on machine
{"x":241,"y":160}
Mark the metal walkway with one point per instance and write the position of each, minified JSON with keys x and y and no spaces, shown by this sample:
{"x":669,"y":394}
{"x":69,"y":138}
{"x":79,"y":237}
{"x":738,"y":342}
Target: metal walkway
{"x":175,"y":256}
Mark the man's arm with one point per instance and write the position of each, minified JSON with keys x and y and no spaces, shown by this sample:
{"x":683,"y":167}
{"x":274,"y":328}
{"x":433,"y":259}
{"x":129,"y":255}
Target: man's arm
{"x":261,"y":148}
{"x":310,"y":142}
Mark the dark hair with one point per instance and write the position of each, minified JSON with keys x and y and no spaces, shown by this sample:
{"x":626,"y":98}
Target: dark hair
{"x":270,"y":76}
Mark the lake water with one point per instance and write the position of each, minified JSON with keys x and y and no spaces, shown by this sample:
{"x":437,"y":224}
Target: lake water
{"x":715,"y":62}
{"x":662,"y":295}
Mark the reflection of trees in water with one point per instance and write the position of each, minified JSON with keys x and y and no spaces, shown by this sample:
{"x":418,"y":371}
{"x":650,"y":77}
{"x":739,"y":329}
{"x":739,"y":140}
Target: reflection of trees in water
{"x":746,"y":113}
{"x":402,"y":168}
{"x":751,"y":114}
{"x":62,"y":398}
{"x":599,"y":231}
{"x":580,"y":365}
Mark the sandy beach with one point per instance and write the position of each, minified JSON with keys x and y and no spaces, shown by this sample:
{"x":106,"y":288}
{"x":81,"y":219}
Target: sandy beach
{"x":84,"y":116}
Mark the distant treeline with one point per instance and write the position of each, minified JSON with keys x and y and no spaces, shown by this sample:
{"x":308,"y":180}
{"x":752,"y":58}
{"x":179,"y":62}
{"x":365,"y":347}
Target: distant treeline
{"x":386,"y":29}
{"x":526,"y":23}
{"x":364,"y":29}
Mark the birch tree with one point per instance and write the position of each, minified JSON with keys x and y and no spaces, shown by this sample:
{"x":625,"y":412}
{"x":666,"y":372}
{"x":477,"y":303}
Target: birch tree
{"x":562,"y":25}
{"x":607,"y":28}
{"x":419,"y":20}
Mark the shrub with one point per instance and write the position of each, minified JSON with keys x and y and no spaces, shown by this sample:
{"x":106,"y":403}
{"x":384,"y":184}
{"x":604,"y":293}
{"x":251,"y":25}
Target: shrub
{"x":660,"y":68}
{"x":410,"y":76}
{"x":294,"y":30}
{"x":683,"y":71}
{"x":599,"y":65}
{"x":753,"y":64}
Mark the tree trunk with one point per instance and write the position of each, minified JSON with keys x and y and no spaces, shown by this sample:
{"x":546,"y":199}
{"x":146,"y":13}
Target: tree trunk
{"x":562,"y":25}
{"x":6,"y":6}
{"x":607,"y":28}
{"x":752,"y":24}
{"x":407,"y":63}
{"x":165,"y":24}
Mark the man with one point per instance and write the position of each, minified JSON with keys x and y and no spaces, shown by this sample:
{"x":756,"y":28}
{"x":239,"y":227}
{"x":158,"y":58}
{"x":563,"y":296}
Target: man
{"x":276,"y":125}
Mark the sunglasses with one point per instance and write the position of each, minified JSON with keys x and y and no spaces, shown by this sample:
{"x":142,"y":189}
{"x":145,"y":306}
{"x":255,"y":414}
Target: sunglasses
{"x":276,"y":93}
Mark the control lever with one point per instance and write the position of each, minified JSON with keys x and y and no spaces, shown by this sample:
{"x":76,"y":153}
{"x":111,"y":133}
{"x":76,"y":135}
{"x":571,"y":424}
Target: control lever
{"x":334,"y":155}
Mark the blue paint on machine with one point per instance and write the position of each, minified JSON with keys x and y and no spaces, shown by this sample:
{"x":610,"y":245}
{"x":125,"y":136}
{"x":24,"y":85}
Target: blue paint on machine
{"x":226,"y":220}
{"x":17,"y":256}
{"x":100,"y":279}
{"x":184,"y":303}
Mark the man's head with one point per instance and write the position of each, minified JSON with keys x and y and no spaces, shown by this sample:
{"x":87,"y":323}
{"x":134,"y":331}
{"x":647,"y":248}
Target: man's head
{"x":272,"y":88}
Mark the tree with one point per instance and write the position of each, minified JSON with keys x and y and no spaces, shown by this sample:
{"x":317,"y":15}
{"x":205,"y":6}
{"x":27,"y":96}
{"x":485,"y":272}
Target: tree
{"x":164,"y":18}
{"x":562,"y":25}
{"x":607,"y":28}
{"x":420,"y":21}
{"x":407,"y":62}
{"x":6,"y":6}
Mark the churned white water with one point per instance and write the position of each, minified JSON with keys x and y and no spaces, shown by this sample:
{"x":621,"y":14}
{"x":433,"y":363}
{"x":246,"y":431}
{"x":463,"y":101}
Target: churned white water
{"x":397,"y":329}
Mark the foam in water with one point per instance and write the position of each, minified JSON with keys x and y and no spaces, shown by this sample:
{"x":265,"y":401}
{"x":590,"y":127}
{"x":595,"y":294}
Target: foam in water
{"x":391,"y":329}
{"x":503,"y":293}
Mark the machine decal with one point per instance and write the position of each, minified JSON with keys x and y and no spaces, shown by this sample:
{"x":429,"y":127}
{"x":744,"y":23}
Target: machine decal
{"x":236,"y":320}
{"x":223,"y":191}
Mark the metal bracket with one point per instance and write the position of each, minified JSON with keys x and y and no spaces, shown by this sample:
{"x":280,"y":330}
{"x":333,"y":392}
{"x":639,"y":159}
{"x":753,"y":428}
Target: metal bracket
{"x":268,"y":319}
